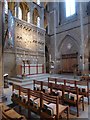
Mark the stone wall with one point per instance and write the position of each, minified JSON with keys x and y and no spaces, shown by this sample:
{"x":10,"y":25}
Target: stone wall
{"x":29,"y":46}
{"x":67,"y":33}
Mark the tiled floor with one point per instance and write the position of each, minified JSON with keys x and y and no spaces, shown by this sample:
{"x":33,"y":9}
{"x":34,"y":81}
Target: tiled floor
{"x":83,"y":114}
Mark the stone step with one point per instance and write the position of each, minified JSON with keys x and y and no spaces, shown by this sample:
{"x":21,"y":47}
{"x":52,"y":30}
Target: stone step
{"x":28,"y":80}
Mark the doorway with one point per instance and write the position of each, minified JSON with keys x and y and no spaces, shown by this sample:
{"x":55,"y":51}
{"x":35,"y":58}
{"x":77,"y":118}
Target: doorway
{"x":69,"y":62}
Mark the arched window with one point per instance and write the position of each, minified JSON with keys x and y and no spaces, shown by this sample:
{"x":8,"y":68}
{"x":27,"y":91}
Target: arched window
{"x":6,"y":6}
{"x":38,"y":2}
{"x":15,"y":11}
{"x":70,"y":8}
{"x":28,"y":17}
{"x":19,"y":12}
{"x":38,"y":21}
{"x":35,"y":17}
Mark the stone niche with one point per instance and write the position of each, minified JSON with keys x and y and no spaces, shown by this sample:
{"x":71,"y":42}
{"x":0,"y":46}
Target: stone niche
{"x":29,"y":46}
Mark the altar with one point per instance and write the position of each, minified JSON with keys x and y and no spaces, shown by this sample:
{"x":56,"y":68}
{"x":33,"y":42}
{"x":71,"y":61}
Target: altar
{"x":29,"y":69}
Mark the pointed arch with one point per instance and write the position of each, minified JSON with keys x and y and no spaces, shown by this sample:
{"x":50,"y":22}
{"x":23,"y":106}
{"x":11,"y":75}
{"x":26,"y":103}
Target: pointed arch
{"x":6,"y":6}
{"x":28,"y":17}
{"x":38,"y":21}
{"x":19,"y":12}
{"x":35,"y":16}
{"x":68,"y":37}
{"x":45,"y":20}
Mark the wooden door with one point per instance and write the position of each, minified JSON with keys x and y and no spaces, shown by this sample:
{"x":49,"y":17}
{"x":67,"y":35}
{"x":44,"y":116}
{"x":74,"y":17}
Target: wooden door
{"x":69,"y":63}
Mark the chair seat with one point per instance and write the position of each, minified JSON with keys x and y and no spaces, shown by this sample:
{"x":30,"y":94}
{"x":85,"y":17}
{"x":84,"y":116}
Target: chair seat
{"x":12,"y":114}
{"x":75,"y":96}
{"x":61,"y":107}
{"x":38,"y":101}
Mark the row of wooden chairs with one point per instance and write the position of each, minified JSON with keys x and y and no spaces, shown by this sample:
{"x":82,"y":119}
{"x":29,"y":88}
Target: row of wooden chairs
{"x":85,"y":77}
{"x":43,"y":104}
{"x":82,"y":85}
{"x":67,"y":94}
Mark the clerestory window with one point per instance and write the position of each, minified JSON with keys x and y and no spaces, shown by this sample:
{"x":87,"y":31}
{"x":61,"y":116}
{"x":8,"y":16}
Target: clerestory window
{"x":70,"y":7}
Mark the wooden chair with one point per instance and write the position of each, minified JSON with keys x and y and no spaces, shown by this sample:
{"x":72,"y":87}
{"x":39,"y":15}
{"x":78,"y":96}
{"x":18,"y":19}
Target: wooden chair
{"x":53,"y":110}
{"x":72,"y":98}
{"x":83,"y":88}
{"x":15,"y":93}
{"x":60,"y":81}
{"x":11,"y":114}
{"x":52,"y":80}
{"x":70,"y":83}
{"x":85,"y":77}
{"x":41,"y":86}
{"x":37,"y":85}
{"x":34,"y":101}
{"x":21,"y":98}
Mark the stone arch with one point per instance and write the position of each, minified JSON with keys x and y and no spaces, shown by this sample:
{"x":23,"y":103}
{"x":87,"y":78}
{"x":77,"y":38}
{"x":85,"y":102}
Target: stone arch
{"x":69,"y":52}
{"x":11,"y":6}
{"x":28,"y":17}
{"x":45,"y":20}
{"x":45,"y":5}
{"x":68,"y":45}
{"x":6,"y":6}
{"x":35,"y":16}
{"x":25,"y":10}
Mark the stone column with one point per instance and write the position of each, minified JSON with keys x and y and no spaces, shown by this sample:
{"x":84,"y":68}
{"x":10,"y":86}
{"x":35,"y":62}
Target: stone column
{"x":1,"y":71}
{"x":55,"y":40}
{"x":17,"y":6}
{"x":31,"y":12}
{"x":42,"y":19}
{"x":88,"y":13}
{"x":82,"y":38}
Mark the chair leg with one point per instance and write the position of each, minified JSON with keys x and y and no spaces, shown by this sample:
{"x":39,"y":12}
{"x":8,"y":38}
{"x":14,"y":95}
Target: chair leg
{"x":83,"y":103}
{"x":19,"y":109}
{"x":29,"y":113}
{"x":88,"y":99}
{"x":67,"y":113}
{"x":77,"y":111}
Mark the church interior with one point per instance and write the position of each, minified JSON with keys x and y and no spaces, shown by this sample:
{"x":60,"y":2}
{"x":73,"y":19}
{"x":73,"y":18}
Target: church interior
{"x":44,"y":60}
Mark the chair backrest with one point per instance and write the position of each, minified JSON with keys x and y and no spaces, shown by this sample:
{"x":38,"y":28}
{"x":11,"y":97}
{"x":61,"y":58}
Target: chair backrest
{"x":36,"y":82}
{"x":70,"y":82}
{"x":23,"y":91}
{"x":16,"y":88}
{"x":52,"y":80}
{"x":70,"y":89}
{"x":50,"y":99}
{"x":35,"y":93}
{"x":83,"y":85}
{"x":60,"y":81}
